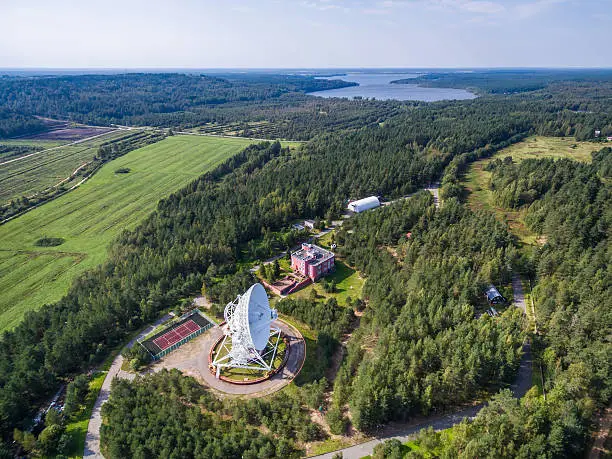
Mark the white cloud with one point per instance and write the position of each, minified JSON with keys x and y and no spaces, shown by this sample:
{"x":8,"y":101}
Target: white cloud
{"x":322,"y":5}
{"x":527,"y":10}
{"x":242,"y":9}
{"x":375,"y":11}
{"x":487,"y":7}
{"x":482,"y":7}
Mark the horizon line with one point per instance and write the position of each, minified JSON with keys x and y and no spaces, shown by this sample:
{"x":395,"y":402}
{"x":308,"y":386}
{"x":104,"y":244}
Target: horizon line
{"x":119,"y":68}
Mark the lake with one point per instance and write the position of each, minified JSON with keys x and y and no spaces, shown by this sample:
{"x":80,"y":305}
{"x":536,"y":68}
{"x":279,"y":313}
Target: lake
{"x":378,"y":85}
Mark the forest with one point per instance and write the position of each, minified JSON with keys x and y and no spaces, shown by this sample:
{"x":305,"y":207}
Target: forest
{"x":172,"y":416}
{"x":510,"y":81}
{"x":422,"y":294}
{"x":15,"y":124}
{"x":570,"y":204}
{"x":136,"y":99}
{"x":430,"y":353}
{"x":276,"y":106}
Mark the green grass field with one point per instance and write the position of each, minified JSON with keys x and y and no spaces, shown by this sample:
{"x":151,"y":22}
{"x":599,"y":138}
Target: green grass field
{"x":348,"y":284}
{"x":45,"y":169}
{"x":9,"y":148}
{"x":477,"y":179}
{"x":244,"y":374}
{"x":34,"y":142}
{"x":90,"y":217}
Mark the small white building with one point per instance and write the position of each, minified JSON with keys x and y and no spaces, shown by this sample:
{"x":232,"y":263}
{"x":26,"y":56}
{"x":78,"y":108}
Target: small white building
{"x":309,"y":224}
{"x":364,"y":204}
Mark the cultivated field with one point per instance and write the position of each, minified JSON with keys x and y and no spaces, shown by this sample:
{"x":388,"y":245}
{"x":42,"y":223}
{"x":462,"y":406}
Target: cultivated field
{"x":43,"y":169}
{"x":477,"y":179}
{"x":89,"y":217}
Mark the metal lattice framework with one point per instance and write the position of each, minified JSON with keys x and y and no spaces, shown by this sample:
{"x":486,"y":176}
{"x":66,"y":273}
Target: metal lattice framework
{"x":248,"y":326}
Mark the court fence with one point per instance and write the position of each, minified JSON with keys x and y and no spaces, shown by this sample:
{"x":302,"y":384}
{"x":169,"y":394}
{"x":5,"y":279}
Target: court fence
{"x":156,"y":353}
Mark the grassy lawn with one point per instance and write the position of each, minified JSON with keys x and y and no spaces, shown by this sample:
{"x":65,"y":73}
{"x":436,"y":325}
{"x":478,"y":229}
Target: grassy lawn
{"x":550,"y":147}
{"x":245,"y":374}
{"x":36,"y":173}
{"x":348,"y":283}
{"x":310,"y":368}
{"x":77,"y":428}
{"x":90,"y":217}
{"x":446,"y":436}
{"x":477,"y":179}
{"x":327,"y":446}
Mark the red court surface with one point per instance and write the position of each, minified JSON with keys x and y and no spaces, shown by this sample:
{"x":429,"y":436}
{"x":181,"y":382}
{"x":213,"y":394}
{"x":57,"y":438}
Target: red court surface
{"x":176,"y":334}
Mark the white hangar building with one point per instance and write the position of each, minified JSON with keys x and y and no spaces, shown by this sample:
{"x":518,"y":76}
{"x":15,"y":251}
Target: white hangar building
{"x":364,"y":204}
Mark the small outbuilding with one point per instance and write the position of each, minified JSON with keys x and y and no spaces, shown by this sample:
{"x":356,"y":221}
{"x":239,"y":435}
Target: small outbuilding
{"x":364,"y":204}
{"x":309,"y":224}
{"x":493,"y":295}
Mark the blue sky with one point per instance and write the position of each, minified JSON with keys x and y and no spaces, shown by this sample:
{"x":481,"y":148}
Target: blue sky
{"x":305,"y":34}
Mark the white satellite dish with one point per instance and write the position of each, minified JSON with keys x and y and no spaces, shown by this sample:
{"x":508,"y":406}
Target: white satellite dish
{"x":249,"y":328}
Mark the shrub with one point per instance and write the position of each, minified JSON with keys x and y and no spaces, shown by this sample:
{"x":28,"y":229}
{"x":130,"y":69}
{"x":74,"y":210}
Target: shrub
{"x":49,"y":241}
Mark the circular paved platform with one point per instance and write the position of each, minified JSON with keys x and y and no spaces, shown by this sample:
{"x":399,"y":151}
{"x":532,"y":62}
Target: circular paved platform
{"x":192,"y":360}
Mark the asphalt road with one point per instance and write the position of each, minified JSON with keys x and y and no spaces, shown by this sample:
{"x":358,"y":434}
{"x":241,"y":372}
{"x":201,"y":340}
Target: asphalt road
{"x":92,"y":439}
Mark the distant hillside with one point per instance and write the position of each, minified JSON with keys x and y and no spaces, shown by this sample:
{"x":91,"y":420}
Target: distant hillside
{"x":507,"y":81}
{"x":141,"y":98}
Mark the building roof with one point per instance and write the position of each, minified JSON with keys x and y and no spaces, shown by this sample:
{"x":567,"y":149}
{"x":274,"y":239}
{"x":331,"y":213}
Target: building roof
{"x":365,"y":203}
{"x":313,"y":254}
{"x":492,"y":293}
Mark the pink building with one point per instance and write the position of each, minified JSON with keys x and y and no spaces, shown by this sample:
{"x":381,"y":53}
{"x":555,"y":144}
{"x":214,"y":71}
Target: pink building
{"x":312,"y":261}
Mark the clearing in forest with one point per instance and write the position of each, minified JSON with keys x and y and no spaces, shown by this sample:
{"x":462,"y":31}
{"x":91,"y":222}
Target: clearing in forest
{"x":536,"y":147}
{"x":78,"y":227}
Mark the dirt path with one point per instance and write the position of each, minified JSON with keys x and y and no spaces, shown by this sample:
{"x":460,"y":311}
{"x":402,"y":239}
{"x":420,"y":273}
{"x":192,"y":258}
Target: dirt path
{"x":191,"y":358}
{"x":604,"y":422}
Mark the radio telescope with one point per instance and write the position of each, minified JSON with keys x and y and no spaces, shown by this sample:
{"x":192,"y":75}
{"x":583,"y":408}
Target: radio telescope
{"x":248,"y":341}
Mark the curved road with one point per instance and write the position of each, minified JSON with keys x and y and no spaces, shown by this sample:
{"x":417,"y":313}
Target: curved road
{"x":92,"y":439}
{"x":404,"y":433}
{"x":192,"y":359}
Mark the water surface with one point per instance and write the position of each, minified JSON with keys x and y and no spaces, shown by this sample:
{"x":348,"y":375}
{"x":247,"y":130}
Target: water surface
{"x":378,"y":86}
